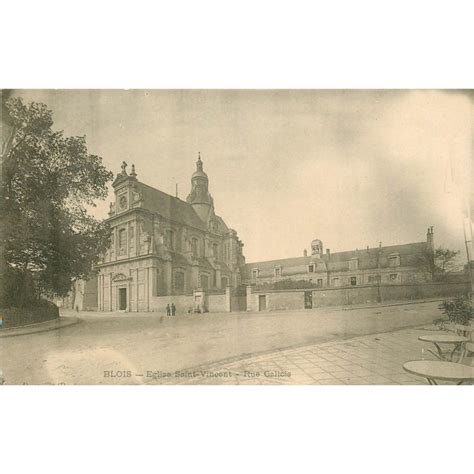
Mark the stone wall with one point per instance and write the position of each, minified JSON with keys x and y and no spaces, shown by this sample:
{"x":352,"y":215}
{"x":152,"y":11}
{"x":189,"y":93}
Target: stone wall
{"x":238,"y":303}
{"x":217,"y":303}
{"x":295,"y":299}
{"x":183,"y":303}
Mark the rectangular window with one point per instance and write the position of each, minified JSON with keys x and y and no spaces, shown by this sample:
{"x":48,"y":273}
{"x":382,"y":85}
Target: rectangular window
{"x":311,"y":268}
{"x":353,"y":281}
{"x":393,"y":276}
{"x":277,"y":272}
{"x":335,"y":282}
{"x":373,"y":278}
{"x":254,"y":274}
{"x":320,"y":282}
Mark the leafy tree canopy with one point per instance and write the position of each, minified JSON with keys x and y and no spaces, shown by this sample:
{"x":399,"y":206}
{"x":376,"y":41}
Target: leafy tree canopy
{"x":438,"y":262}
{"x":48,"y":180}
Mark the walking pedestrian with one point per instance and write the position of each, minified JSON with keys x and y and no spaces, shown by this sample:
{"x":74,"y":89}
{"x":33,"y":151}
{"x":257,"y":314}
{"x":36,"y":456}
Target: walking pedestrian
{"x":173,"y":309}
{"x":168,"y":310}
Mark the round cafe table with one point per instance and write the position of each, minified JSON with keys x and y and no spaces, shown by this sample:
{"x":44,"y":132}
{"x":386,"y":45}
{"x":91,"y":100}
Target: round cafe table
{"x":433,"y":370}
{"x":438,"y":339}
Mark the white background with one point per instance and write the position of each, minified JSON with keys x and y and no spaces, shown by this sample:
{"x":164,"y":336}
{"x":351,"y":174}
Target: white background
{"x":364,"y":44}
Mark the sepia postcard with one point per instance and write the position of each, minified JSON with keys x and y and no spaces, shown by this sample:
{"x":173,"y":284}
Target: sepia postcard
{"x":238,"y":237}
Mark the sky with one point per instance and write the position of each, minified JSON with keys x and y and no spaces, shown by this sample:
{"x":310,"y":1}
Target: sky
{"x":350,"y":167}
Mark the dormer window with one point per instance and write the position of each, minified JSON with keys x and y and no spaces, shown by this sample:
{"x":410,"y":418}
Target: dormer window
{"x":394,"y":260}
{"x":354,"y":264}
{"x":311,"y":268}
{"x":254,"y":273}
{"x":277,"y":272}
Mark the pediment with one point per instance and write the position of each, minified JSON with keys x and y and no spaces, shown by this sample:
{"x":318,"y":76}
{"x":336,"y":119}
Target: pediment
{"x":120,"y":277}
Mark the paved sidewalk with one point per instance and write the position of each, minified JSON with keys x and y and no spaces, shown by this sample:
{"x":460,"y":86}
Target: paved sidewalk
{"x":367,"y":360}
{"x":59,"y":323}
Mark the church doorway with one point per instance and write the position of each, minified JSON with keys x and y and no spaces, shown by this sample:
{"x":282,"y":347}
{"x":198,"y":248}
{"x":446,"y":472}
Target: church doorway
{"x":122,"y":299}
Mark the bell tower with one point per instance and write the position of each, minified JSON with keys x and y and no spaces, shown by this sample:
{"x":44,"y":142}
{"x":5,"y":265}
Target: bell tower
{"x":199,"y":196}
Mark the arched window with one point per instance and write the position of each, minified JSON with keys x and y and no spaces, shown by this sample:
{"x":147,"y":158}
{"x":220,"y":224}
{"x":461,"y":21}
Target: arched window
{"x":169,"y":239}
{"x":178,"y":283}
{"x":194,"y":246}
{"x":204,"y":281}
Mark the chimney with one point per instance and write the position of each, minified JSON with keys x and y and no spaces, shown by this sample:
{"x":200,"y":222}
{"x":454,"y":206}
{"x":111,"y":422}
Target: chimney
{"x":305,"y":252}
{"x":430,"y":239}
{"x":328,"y":252}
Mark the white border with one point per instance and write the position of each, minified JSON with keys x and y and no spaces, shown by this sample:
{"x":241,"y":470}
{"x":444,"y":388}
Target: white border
{"x":245,"y":44}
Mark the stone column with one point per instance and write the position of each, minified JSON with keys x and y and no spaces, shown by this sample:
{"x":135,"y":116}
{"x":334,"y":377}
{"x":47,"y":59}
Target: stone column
{"x":111,"y":292}
{"x":99,"y":292}
{"x":148,"y":288}
{"x":228,"y":298}
{"x":168,"y":277}
{"x":195,"y":276}
{"x":137,"y":289}
{"x":248,"y":293}
{"x":116,"y":242}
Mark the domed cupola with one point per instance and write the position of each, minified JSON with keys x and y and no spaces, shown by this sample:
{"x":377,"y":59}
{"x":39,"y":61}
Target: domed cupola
{"x":199,"y":173}
{"x":199,"y":196}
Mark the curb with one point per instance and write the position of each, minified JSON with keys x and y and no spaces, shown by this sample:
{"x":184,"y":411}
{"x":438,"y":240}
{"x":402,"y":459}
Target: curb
{"x":62,"y":322}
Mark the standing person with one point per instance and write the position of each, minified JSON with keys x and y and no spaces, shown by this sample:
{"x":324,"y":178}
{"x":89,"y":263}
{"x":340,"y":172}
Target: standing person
{"x":173,"y":309}
{"x":168,"y":311}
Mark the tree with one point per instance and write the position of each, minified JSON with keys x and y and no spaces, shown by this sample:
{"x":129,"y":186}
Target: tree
{"x":438,"y":263}
{"x":48,"y":179}
{"x":458,"y":310}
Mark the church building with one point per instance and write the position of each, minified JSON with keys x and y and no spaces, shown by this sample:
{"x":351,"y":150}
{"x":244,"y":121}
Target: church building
{"x":162,"y":245}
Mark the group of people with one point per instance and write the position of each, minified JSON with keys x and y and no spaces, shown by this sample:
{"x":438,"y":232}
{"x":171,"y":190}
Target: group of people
{"x":170,"y":310}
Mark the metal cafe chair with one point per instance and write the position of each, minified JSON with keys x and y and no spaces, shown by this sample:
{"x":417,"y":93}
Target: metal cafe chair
{"x":468,"y":348}
{"x":464,"y":330}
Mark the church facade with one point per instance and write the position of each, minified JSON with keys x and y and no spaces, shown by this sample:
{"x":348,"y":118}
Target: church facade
{"x":164,"y":246}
